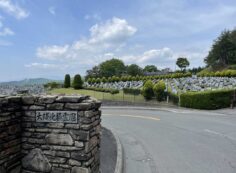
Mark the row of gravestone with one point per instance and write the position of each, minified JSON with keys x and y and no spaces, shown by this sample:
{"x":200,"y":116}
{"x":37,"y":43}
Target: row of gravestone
{"x":202,"y":83}
{"x":185,"y":84}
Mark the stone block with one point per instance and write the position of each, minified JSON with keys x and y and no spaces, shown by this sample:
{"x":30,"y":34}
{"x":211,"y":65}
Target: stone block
{"x":36,"y":107}
{"x":53,"y":159}
{"x":60,"y":170}
{"x":74,"y":162}
{"x":36,"y":161}
{"x":47,"y":99}
{"x":59,"y":139}
{"x":55,"y":125}
{"x":28,"y":100}
{"x":79,"y":144}
{"x":80,"y":156}
{"x":80,"y":135}
{"x":69,"y":99}
{"x":76,"y":169}
{"x":78,"y":106}
{"x":55,"y":106}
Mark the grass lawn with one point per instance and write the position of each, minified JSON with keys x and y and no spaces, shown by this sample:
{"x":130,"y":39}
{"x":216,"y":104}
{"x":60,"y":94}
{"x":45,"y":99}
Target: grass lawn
{"x":100,"y":95}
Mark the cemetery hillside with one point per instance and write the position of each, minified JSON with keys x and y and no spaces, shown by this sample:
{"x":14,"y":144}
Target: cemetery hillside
{"x":187,"y":87}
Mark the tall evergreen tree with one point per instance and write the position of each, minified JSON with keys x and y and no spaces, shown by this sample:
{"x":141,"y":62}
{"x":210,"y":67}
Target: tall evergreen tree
{"x":223,"y":50}
{"x":67,"y":81}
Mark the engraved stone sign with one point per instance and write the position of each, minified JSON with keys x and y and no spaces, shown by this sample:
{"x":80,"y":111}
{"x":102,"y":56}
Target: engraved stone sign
{"x":57,"y":116}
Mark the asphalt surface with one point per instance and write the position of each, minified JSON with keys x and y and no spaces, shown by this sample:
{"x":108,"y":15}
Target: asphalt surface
{"x":108,"y":152}
{"x":175,"y":141}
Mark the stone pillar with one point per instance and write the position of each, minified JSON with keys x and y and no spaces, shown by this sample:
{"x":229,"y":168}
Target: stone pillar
{"x":58,"y":134}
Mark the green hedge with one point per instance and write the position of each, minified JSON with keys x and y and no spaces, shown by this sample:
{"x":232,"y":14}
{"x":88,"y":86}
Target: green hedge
{"x":133,"y":91}
{"x":224,"y":73}
{"x":207,"y":99}
{"x":137,"y":78}
{"x":106,"y":90}
{"x":173,"y":98}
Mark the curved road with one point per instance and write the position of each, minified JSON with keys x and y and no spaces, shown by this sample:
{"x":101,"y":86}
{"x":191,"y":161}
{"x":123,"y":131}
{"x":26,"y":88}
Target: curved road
{"x":174,"y":141}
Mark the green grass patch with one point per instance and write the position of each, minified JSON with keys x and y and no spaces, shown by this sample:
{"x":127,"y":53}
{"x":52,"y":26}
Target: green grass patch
{"x":121,"y":96}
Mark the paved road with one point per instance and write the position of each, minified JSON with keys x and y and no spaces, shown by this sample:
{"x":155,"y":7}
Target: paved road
{"x":175,"y":141}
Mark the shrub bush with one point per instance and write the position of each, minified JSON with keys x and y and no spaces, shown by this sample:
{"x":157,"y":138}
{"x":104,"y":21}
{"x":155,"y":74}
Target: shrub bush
{"x":52,"y":85}
{"x":207,"y":99}
{"x":147,"y":90}
{"x":132,"y":91}
{"x":159,"y":90}
{"x":106,"y":90}
{"x":77,"y":83}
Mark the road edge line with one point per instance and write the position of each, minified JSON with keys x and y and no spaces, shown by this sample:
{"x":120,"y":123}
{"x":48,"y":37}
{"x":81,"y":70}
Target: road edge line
{"x":120,"y":153}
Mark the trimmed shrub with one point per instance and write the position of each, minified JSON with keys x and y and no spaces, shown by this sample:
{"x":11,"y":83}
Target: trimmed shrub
{"x":159,"y":90}
{"x":133,"y":91}
{"x":98,"y":80}
{"x":109,"y":79}
{"x":104,"y":80}
{"x":224,"y":73}
{"x":147,"y":90}
{"x":106,"y":90}
{"x":206,"y":99}
{"x":52,"y":85}
{"x":67,"y":82}
{"x":77,"y":83}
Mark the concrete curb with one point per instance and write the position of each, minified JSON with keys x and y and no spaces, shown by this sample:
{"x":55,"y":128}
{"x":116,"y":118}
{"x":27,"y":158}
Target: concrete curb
{"x":120,"y":154}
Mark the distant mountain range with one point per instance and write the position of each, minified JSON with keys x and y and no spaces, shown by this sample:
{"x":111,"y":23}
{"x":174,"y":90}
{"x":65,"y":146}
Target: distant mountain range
{"x":33,"y":81}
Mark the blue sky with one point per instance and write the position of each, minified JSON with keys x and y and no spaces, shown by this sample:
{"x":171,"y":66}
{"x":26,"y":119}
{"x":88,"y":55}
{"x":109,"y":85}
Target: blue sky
{"x":40,"y":38}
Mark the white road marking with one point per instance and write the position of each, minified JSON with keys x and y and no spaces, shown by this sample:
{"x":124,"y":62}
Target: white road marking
{"x":219,"y":134}
{"x":135,"y":116}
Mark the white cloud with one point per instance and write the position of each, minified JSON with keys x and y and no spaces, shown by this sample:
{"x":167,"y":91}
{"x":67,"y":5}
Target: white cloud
{"x":52,"y":52}
{"x":42,"y":65}
{"x":150,"y":56}
{"x":112,"y":31}
{"x":13,"y":9}
{"x":103,"y":37}
{"x":6,"y":31}
{"x":159,"y":57}
{"x":52,"y":10}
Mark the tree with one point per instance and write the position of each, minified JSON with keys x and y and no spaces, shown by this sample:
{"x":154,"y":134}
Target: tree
{"x":93,"y":73}
{"x":150,"y":68}
{"x":182,"y":63}
{"x":159,"y":90}
{"x":67,"y":83}
{"x":147,"y":90}
{"x":113,"y":67}
{"x":223,"y":51}
{"x":77,"y":82}
{"x":134,"y":70}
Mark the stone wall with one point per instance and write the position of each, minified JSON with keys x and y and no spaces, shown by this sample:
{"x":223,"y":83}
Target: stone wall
{"x":10,"y":134}
{"x":61,"y":145}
